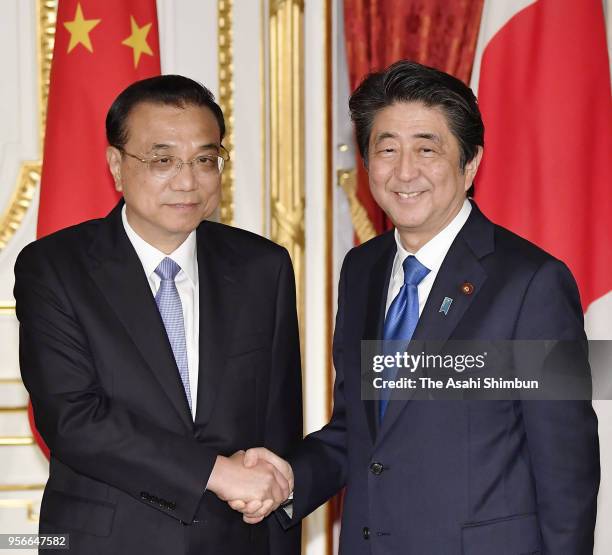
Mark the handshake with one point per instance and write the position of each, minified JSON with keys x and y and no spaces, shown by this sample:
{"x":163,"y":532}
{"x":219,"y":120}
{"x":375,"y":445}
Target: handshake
{"x":253,"y":483}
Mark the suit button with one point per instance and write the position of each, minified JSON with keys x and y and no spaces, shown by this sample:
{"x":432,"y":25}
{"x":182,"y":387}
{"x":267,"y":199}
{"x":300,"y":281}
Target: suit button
{"x":366,"y":533}
{"x":376,"y":468}
{"x":144,"y":495}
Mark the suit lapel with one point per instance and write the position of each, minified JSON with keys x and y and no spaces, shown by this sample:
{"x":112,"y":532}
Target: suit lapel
{"x":219,"y":302}
{"x":460,"y":267}
{"x":118,"y":273}
{"x":375,"y":315}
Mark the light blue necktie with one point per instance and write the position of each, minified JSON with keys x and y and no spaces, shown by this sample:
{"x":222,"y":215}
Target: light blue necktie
{"x":402,"y":318}
{"x":171,"y":311}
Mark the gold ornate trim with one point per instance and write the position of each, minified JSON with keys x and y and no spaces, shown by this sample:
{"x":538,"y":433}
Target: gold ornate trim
{"x":226,"y":101}
{"x":277,"y":5}
{"x":29,"y":173}
{"x":11,"y":381}
{"x":286,"y":62}
{"x":7,"y":308}
{"x":364,"y":229}
{"x":47,"y":17}
{"x":22,"y":487}
{"x":13,"y":409}
{"x":13,"y":441}
{"x":27,"y":181}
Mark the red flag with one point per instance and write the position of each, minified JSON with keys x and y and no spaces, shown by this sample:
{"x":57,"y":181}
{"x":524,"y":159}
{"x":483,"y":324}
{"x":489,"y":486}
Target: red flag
{"x":544,"y":92}
{"x":100,"y":48}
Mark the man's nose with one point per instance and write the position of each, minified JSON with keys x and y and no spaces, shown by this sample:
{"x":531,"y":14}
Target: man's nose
{"x":185,"y":179}
{"x":407,"y":167}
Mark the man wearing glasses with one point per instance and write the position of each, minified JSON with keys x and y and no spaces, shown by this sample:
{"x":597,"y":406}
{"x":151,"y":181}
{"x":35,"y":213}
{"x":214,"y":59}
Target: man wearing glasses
{"x":156,"y":346}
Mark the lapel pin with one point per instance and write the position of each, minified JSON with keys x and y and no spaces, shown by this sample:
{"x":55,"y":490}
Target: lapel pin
{"x":467,"y":288}
{"x":445,"y":305}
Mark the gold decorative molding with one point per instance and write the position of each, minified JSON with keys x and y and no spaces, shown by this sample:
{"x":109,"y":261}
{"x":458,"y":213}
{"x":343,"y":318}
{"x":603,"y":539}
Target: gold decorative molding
{"x":364,"y":229}
{"x":277,"y":5}
{"x":27,"y":504}
{"x":13,"y":441}
{"x":7,"y":308}
{"x":226,"y":101}
{"x":27,"y":181}
{"x":29,"y":173}
{"x":11,"y":381}
{"x":47,"y":18}
{"x":286,"y":66}
{"x":22,"y":487}
{"x":13,"y":409}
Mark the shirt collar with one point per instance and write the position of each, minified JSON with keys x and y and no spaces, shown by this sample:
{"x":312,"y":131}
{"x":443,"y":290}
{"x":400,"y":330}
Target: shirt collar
{"x":432,"y":253}
{"x":150,"y":257}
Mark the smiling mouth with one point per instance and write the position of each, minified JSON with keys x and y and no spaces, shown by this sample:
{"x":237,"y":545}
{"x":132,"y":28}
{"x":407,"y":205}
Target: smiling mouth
{"x":414,"y":194}
{"x":183,"y":204}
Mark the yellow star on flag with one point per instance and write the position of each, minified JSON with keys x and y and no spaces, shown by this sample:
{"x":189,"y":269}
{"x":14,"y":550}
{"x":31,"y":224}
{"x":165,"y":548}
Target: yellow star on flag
{"x":79,"y":29}
{"x":138,"y":40}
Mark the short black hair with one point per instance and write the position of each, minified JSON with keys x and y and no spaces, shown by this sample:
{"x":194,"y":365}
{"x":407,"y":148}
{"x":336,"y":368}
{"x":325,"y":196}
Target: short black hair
{"x":173,"y":90}
{"x":407,"y":81}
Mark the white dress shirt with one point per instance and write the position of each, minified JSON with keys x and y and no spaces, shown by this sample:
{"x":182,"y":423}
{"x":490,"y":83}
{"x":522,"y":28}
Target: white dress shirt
{"x":431,"y":255}
{"x":188,"y":289}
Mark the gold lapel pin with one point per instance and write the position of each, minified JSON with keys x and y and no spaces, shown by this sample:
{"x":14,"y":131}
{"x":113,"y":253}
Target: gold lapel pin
{"x":467,"y":288}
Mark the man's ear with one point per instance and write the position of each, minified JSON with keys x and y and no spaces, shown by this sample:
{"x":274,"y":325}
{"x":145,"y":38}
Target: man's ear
{"x":113,"y":158}
{"x":472,"y":167}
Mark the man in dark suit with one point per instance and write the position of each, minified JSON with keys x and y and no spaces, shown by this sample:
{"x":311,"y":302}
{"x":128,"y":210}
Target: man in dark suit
{"x":442,"y":477}
{"x":156,"y":345}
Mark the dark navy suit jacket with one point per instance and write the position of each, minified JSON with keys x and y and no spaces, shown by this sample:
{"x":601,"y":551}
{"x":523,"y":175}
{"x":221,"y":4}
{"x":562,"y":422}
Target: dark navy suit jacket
{"x":129,"y":465}
{"x":457,"y":477}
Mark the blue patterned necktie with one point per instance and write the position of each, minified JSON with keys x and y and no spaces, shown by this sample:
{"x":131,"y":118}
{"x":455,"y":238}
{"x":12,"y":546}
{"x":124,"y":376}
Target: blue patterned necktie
{"x":171,"y":311}
{"x":402,"y":318}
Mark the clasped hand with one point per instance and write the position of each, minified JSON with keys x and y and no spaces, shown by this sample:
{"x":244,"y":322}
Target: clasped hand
{"x":254,"y":482}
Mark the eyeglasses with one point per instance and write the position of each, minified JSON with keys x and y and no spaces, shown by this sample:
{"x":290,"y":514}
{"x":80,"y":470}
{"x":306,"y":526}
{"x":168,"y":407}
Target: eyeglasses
{"x":166,"y":167}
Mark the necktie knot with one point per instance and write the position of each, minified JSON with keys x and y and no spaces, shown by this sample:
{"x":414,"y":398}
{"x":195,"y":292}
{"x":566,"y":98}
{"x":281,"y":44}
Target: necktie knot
{"x":167,"y":269}
{"x":414,"y":271}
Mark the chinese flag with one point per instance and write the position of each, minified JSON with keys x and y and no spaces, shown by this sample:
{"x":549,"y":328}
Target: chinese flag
{"x":543,"y":82}
{"x":100,"y":48}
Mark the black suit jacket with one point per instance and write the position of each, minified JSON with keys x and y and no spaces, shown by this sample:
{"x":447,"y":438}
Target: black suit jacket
{"x":457,"y":477}
{"x":129,"y":466}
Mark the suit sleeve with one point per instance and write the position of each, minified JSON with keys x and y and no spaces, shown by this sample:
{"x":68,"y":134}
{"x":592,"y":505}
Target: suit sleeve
{"x":320,"y":462}
{"x":84,"y":428}
{"x":561,"y":435}
{"x":283,"y":427}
